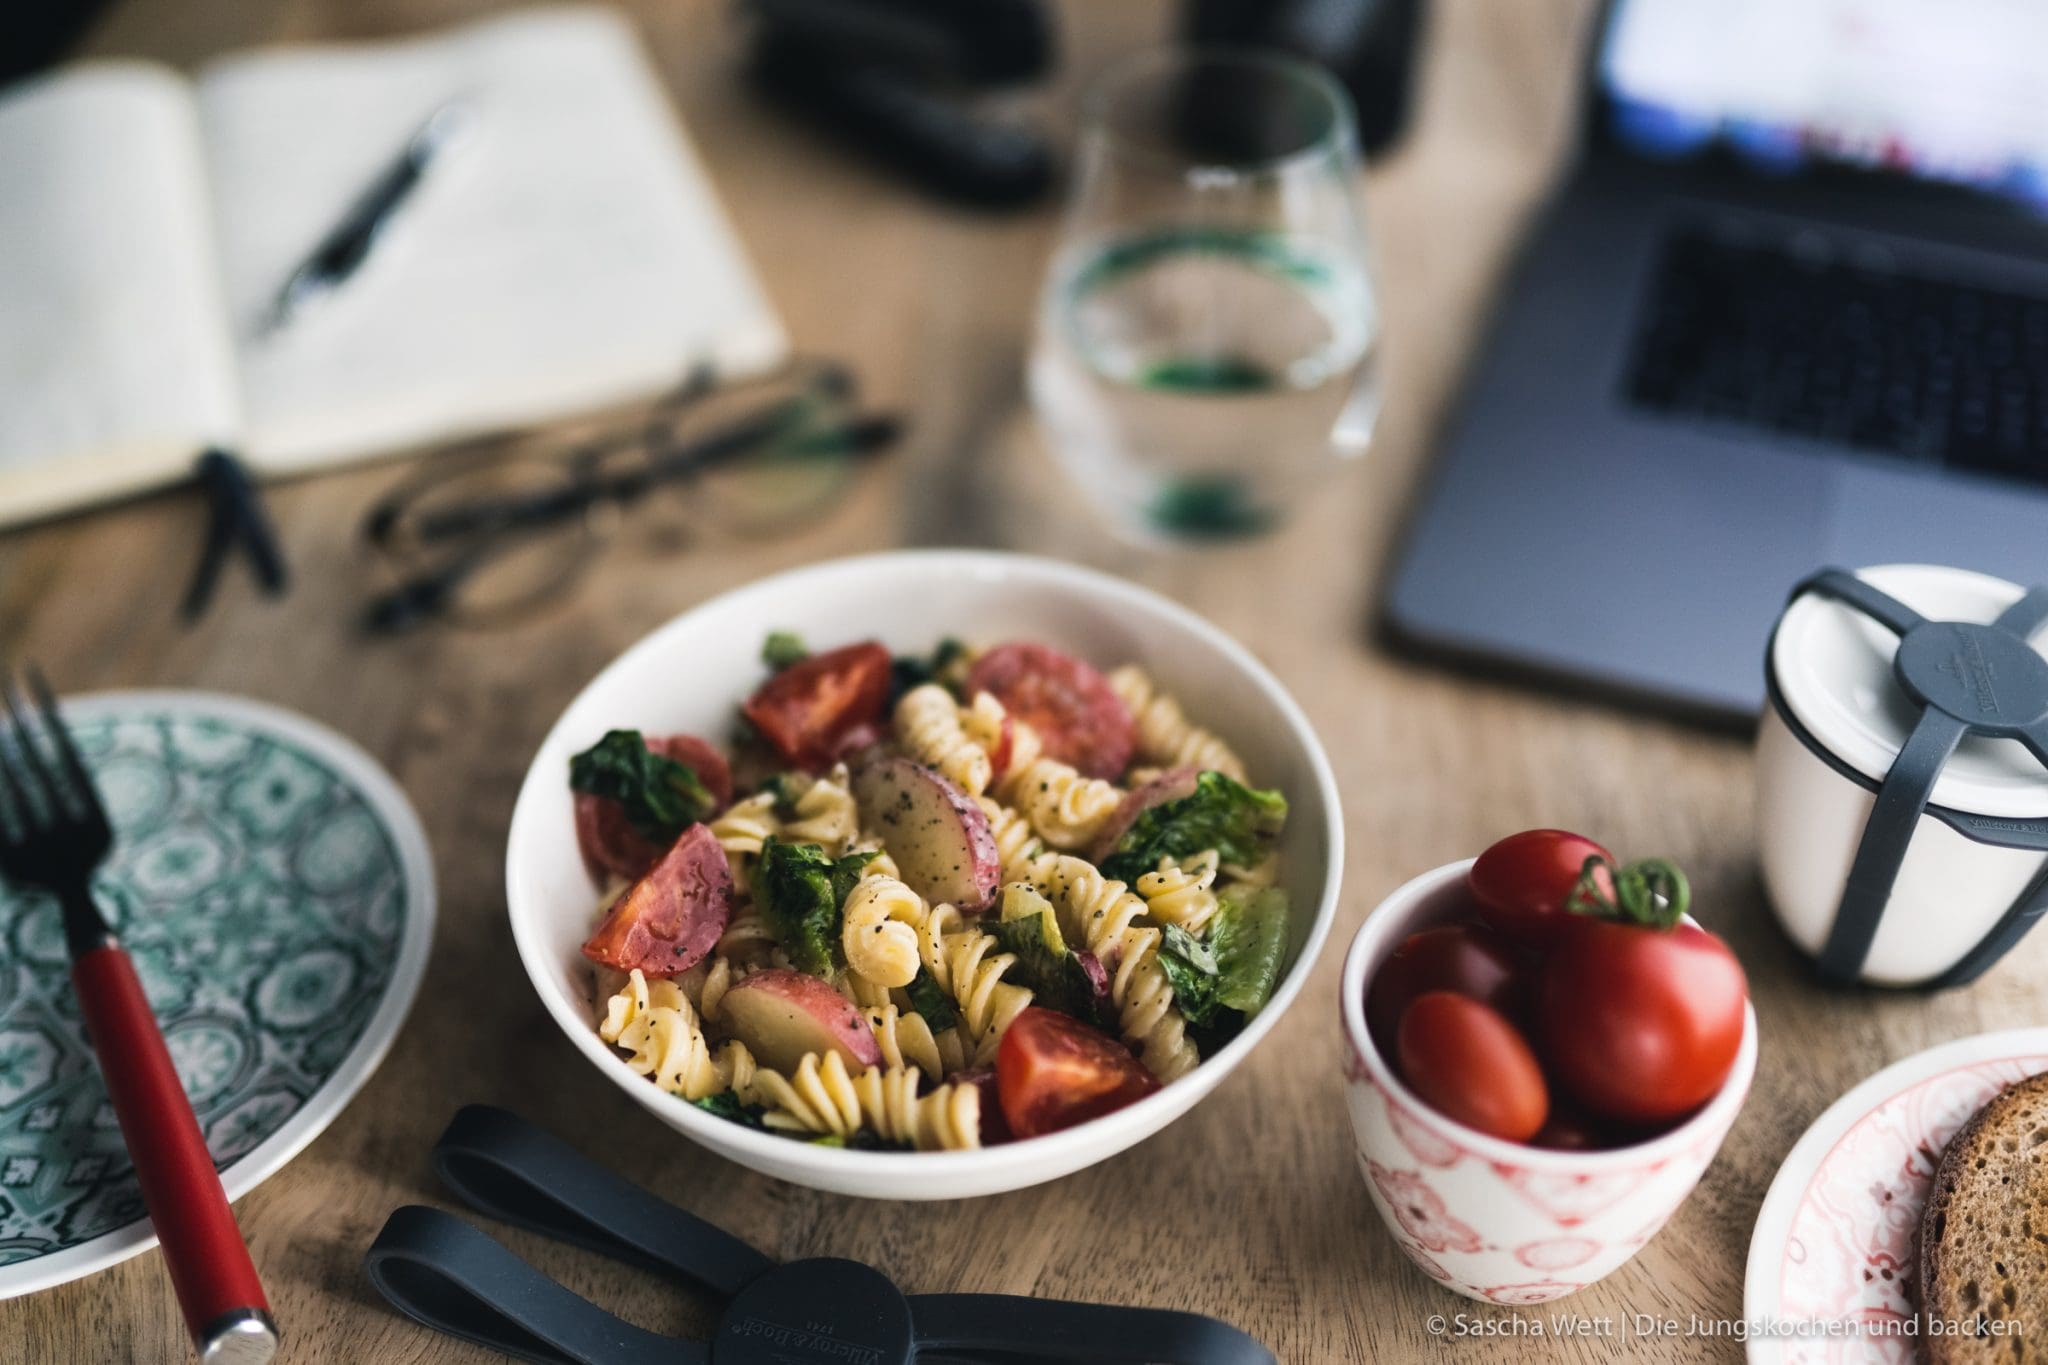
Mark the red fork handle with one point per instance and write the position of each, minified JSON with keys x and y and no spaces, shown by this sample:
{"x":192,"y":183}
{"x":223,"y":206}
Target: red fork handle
{"x":210,"y":1268}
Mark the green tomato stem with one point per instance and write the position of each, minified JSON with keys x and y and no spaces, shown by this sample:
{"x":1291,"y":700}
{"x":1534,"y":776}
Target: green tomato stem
{"x":1652,"y":892}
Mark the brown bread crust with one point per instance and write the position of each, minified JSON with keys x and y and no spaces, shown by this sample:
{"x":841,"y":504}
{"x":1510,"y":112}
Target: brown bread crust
{"x":1984,"y":1235}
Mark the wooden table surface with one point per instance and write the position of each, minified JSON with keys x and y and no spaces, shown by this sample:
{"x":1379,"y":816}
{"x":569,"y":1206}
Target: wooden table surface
{"x":1250,"y":1207}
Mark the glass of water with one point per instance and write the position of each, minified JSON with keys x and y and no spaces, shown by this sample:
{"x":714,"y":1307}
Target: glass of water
{"x":1207,"y":338}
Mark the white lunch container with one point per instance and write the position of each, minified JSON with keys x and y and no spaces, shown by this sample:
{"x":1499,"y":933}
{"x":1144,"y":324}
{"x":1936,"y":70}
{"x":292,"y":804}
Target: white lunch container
{"x":1902,"y":771}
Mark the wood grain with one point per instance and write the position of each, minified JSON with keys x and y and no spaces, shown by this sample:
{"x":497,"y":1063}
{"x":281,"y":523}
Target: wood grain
{"x":1251,"y":1207}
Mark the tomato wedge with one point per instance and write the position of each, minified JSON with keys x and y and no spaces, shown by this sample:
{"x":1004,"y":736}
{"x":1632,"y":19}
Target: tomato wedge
{"x":811,"y":710}
{"x":668,"y":920}
{"x":1077,"y":714}
{"x":1053,"y":1071}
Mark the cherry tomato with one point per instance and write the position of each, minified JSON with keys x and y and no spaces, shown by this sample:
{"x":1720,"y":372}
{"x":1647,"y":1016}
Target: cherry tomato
{"x":1640,"y":1024}
{"x":1468,"y":959}
{"x":810,"y":710}
{"x":1522,"y":882}
{"x":669,"y":919}
{"x":1053,"y":1071}
{"x":1470,"y":1064}
{"x":1078,"y":716}
{"x":611,"y":846}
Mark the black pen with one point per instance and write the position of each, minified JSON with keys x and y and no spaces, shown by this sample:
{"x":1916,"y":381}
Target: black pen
{"x":344,"y":249}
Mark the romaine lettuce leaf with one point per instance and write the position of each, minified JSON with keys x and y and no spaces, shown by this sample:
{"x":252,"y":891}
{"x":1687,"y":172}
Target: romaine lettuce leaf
{"x":800,"y":893}
{"x":1221,"y":813}
{"x":1230,"y":976}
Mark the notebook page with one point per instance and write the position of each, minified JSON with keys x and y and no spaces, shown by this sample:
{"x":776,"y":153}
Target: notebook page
{"x":115,"y":365}
{"x":566,"y":253}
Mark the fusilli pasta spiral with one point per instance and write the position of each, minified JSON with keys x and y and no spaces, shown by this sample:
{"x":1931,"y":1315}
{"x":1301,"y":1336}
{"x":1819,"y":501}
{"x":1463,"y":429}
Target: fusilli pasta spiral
{"x":879,"y":930}
{"x":1099,"y":911}
{"x":907,"y":1040}
{"x":747,"y":940}
{"x":825,"y":815}
{"x":823,"y":1097}
{"x":1066,"y":809}
{"x":1016,"y":842}
{"x":741,"y":829}
{"x":654,"y":1021}
{"x":928,"y":724}
{"x":971,"y":969}
{"x":1182,"y":893}
{"x":1166,"y":737}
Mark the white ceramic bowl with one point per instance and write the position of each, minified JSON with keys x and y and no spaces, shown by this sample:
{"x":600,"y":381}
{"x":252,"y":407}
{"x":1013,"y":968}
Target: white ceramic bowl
{"x":691,"y":674}
{"x":1495,"y":1220}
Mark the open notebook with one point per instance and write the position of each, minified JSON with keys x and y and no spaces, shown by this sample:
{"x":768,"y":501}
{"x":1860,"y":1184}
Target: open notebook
{"x":567,"y":254}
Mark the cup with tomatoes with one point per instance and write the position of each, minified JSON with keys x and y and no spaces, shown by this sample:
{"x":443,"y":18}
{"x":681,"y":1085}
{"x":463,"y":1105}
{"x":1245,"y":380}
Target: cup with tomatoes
{"x":1543,"y":1053}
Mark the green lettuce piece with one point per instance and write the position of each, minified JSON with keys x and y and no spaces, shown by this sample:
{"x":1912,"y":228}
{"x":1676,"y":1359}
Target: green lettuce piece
{"x":931,"y":1002}
{"x":1249,"y":939}
{"x":661,"y":797}
{"x":1221,"y":813}
{"x":783,"y":648}
{"x":800,"y":893}
{"x":1055,"y":975}
{"x":727,"y":1105}
{"x":1229,"y":977}
{"x":1192,"y":970}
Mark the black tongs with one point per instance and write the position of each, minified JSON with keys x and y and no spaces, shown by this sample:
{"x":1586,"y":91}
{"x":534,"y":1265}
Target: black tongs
{"x":443,"y":1272}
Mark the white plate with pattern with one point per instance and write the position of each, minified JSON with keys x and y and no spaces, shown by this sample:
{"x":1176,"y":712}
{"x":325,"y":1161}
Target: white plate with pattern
{"x":1837,"y":1240}
{"x":273,"y":886}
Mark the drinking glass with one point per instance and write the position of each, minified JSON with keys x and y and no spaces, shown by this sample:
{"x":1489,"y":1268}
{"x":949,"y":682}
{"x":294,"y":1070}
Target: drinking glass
{"x":1208,"y":333}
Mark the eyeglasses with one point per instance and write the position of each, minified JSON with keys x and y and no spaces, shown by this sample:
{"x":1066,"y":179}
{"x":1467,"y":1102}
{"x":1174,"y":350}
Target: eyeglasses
{"x":485,"y":534}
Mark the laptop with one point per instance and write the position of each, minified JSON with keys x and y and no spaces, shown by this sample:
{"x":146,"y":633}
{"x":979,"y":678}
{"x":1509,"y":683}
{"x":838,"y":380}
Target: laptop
{"x":1790,"y":308}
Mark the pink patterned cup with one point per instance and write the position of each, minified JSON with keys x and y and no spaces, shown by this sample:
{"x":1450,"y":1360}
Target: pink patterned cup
{"x":1494,"y":1220}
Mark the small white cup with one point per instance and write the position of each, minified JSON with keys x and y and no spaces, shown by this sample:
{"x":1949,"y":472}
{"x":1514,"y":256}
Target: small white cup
{"x":1833,"y":725}
{"x":1501,"y":1221}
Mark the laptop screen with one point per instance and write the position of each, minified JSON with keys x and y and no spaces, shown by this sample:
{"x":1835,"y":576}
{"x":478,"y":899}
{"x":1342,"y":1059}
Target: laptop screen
{"x":1954,"y":91}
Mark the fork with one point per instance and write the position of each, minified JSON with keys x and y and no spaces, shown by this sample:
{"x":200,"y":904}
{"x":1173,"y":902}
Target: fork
{"x":53,"y":836}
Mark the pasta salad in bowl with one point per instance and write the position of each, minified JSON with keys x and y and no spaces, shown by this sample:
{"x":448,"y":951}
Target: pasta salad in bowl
{"x":962,"y":895}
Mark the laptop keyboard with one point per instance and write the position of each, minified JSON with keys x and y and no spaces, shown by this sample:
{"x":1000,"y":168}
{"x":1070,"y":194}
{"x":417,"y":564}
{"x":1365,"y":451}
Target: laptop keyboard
{"x":1834,"y":351}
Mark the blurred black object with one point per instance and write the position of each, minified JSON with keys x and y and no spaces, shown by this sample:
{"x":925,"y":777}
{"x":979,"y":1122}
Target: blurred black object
{"x":896,"y":80}
{"x":1368,"y":45}
{"x":34,"y":35}
{"x":236,"y":523}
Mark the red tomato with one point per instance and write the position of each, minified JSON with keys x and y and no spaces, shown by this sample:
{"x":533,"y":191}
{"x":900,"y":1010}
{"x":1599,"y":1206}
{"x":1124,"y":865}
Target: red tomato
{"x":809,"y":710}
{"x":1521,"y":883}
{"x":1467,"y":1062}
{"x":1053,"y":1071}
{"x":1468,"y":959}
{"x":611,"y":846}
{"x":1078,"y":716}
{"x":1640,"y":1024}
{"x":668,"y":920}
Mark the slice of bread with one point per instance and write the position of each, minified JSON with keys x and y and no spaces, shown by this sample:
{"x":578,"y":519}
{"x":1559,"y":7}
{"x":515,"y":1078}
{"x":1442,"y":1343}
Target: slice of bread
{"x":1984,"y":1236}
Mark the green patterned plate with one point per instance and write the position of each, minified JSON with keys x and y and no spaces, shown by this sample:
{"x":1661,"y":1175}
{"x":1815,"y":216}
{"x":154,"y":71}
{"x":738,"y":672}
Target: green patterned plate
{"x":273,"y":886}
